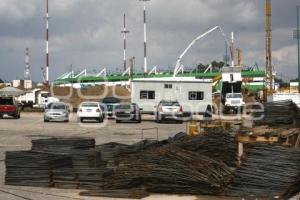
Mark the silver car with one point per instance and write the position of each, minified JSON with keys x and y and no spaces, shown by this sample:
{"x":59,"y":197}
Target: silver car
{"x":168,"y":110}
{"x":56,"y":111}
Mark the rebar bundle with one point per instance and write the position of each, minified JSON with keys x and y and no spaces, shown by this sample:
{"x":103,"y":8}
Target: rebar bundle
{"x":216,"y":143}
{"x":268,"y":171}
{"x":278,"y":113}
{"x":78,"y":178}
{"x":169,"y":169}
{"x":62,"y":145}
{"x":27,"y":168}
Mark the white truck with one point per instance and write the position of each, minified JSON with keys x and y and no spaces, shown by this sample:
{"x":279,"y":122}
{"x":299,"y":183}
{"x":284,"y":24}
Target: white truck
{"x":231,"y":95}
{"x":36,"y":98}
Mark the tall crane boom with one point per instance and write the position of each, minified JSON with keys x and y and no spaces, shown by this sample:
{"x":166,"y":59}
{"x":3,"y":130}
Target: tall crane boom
{"x":178,"y":63}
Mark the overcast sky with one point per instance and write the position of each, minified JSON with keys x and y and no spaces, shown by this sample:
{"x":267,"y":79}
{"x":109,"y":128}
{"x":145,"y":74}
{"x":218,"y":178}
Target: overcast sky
{"x":86,"y":34}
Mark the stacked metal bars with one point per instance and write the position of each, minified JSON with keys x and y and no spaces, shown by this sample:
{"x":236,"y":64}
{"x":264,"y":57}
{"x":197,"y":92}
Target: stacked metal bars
{"x":268,"y":171}
{"x":216,"y":143}
{"x":169,"y":169}
{"x":278,"y":113}
{"x":62,"y":145}
{"x":26,"y":168}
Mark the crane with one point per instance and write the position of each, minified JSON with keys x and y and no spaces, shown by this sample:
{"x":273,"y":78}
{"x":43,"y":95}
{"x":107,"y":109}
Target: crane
{"x":178,"y":66}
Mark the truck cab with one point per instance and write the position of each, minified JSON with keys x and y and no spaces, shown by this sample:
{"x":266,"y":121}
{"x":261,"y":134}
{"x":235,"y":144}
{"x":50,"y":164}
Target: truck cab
{"x":234,"y":101}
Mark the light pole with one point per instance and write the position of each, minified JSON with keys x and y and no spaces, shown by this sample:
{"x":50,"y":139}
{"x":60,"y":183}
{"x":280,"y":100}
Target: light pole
{"x":296,"y":36}
{"x":145,"y":38}
{"x":124,"y":32}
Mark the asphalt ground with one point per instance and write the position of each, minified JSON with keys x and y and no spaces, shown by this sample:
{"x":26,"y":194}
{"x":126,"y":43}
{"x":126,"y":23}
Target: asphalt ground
{"x":16,"y":134}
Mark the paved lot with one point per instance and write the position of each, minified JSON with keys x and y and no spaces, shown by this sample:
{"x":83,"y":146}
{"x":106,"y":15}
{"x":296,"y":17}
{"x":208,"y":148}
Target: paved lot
{"x":17,"y":135}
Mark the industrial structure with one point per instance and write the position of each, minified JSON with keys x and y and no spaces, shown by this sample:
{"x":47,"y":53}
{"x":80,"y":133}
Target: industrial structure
{"x":125,"y":32}
{"x":269,"y":67}
{"x":27,"y":65}
{"x":145,"y":38}
{"x":45,"y":69}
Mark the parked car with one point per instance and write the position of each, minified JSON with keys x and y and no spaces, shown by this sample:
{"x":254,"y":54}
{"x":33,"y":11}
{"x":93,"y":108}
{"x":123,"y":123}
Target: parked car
{"x":168,"y":110}
{"x":9,"y":106}
{"x":90,"y":110}
{"x":56,"y":111}
{"x":109,"y":104}
{"x":128,"y":112}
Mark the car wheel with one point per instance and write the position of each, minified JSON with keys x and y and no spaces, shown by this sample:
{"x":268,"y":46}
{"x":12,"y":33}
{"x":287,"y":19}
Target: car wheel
{"x":19,"y":116}
{"x":118,"y":121}
{"x":1,"y":116}
{"x":45,"y":120}
{"x":100,"y":119}
{"x":81,"y":119}
{"x":66,"y":120}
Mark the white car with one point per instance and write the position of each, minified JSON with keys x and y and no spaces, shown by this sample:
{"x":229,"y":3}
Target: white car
{"x":90,"y":110}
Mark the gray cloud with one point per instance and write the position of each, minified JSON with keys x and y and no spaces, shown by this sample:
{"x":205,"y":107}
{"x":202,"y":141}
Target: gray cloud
{"x":86,"y":33}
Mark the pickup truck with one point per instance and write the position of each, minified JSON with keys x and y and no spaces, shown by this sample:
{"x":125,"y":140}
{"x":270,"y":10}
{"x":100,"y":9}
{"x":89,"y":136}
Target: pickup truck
{"x":234,"y":102}
{"x":9,"y":106}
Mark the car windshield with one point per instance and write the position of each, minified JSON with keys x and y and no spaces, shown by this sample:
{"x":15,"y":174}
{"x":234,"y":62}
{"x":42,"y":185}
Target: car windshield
{"x":234,"y":95}
{"x":123,"y":106}
{"x":6,"y":101}
{"x":57,"y":106}
{"x":94,"y":105}
{"x":169,"y":103}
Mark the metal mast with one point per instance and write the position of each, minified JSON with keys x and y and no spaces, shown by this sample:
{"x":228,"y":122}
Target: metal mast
{"x":47,"y":44}
{"x":269,"y":69}
{"x":27,"y":66}
{"x":145,"y":38}
{"x":124,"y":31}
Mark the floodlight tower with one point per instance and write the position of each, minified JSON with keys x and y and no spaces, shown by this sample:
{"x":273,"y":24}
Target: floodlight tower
{"x":47,"y":44}
{"x":124,"y":31}
{"x":27,"y":66}
{"x":145,"y":38}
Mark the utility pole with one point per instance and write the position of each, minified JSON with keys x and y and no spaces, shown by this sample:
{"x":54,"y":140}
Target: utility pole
{"x":124,"y":31}
{"x":145,"y":38}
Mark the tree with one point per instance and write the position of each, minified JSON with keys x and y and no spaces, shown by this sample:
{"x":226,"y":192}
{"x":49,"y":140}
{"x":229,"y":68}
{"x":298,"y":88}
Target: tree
{"x":215,"y":66}
{"x":1,"y":81}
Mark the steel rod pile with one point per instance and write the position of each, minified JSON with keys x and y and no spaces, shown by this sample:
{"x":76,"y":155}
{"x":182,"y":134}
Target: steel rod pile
{"x":85,"y":158}
{"x":62,"y":145}
{"x":169,"y":169}
{"x":26,"y":168}
{"x":135,"y":193}
{"x":216,"y":144}
{"x":278,"y":113}
{"x":83,"y":178}
{"x":268,"y":171}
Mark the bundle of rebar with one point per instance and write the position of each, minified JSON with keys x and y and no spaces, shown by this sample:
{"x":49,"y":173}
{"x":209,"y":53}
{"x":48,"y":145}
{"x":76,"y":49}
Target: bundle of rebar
{"x":216,"y":143}
{"x":278,"y":113}
{"x":169,"y":169}
{"x":78,"y":178}
{"x":135,"y":193}
{"x":62,"y":145}
{"x":268,"y":171}
{"x":27,"y":168}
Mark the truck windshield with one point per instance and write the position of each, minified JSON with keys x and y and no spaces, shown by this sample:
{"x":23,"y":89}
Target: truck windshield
{"x":234,"y":96}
